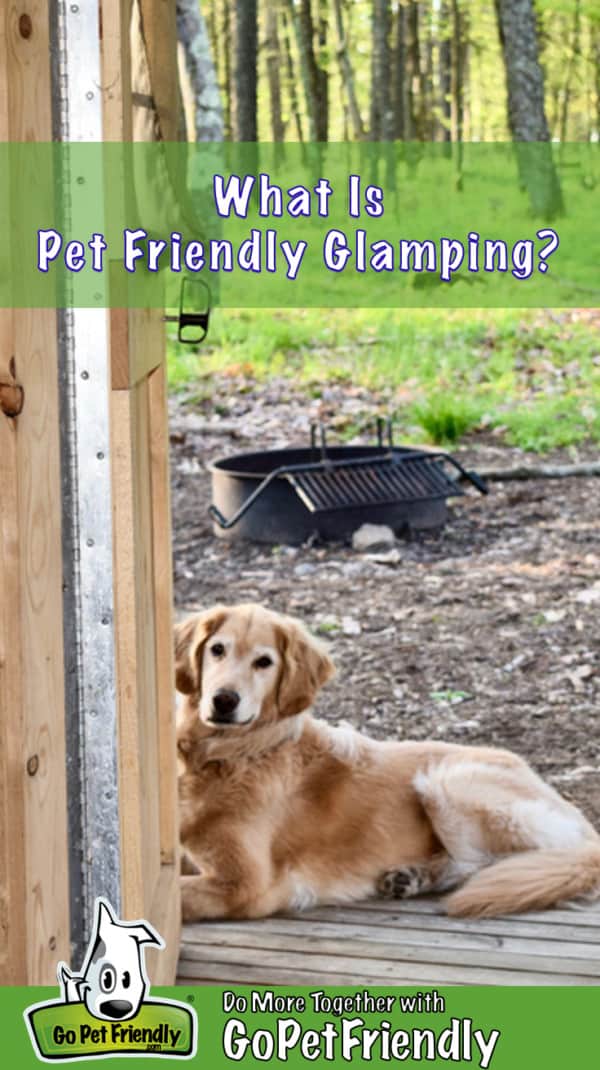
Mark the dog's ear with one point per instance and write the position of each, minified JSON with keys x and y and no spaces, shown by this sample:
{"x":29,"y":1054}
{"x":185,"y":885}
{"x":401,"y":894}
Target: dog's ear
{"x":190,"y":637}
{"x":306,"y":667}
{"x":186,"y":670}
{"x":145,"y":934}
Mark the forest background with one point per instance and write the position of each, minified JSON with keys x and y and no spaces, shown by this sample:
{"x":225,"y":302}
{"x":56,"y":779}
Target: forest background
{"x":444,"y":71}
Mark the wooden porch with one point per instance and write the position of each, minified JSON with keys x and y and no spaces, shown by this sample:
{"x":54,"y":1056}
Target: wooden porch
{"x":390,"y":943}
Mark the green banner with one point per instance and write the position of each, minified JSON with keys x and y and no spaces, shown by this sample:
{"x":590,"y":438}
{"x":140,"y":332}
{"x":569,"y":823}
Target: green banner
{"x":66,"y":1031}
{"x":338,"y":225}
{"x":504,"y":1028}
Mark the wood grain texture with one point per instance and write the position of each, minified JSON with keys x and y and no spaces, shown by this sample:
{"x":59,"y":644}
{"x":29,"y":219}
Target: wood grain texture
{"x":148,"y":713}
{"x":373,"y":971}
{"x":142,"y":557}
{"x":401,"y":943}
{"x":516,"y":955}
{"x":12,"y":857}
{"x":159,"y":28}
{"x":147,"y":343}
{"x":12,"y":805}
{"x":116,"y":70}
{"x":34,"y":774}
{"x":163,"y":610}
{"x":126,"y":624}
{"x":246,"y":972}
{"x":47,"y":891}
{"x":165,"y":913}
{"x":522,"y":925}
{"x":143,"y":613}
{"x":373,"y":935}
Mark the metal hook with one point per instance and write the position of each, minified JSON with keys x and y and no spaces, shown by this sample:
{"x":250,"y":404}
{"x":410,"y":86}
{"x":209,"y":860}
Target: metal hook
{"x":185,"y":320}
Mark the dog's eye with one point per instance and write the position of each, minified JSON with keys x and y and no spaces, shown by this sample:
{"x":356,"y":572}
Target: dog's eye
{"x":217,"y":650}
{"x":108,"y":978}
{"x":263,"y":662}
{"x":126,"y":979}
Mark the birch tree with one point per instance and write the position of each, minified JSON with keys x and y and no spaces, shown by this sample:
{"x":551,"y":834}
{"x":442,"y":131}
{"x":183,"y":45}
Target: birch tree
{"x":200,"y":89}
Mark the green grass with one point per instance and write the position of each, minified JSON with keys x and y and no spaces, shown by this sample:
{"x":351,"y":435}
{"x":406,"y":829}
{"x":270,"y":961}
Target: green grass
{"x":532,"y":375}
{"x":446,"y":419}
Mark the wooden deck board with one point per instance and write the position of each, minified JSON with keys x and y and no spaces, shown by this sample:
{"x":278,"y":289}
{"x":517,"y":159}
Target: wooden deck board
{"x":395,"y":943}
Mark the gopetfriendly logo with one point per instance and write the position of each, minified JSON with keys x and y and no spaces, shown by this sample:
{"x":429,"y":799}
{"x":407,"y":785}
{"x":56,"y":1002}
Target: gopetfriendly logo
{"x":105,"y":1010}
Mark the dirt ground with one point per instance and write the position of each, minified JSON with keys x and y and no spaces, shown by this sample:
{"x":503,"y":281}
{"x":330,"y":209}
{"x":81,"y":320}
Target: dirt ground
{"x":485,"y":634}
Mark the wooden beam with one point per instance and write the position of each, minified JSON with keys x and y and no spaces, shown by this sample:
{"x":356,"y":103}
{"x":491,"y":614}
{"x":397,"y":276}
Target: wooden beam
{"x":126,"y":627}
{"x":142,"y":543}
{"x":36,"y":755}
{"x":159,"y":26}
{"x":12,"y":802}
{"x":116,"y":69}
{"x":165,"y":913}
{"x":163,"y":609}
{"x":134,"y":352}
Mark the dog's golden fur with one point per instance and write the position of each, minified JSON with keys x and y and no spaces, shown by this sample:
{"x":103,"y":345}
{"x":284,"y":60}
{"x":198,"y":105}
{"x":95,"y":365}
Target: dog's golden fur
{"x":280,"y":810}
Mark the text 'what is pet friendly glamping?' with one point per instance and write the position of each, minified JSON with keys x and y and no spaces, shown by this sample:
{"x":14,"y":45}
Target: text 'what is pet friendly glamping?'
{"x":266,"y":250}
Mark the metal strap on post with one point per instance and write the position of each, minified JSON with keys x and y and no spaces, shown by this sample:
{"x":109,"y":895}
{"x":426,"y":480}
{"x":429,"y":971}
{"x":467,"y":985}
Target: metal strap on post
{"x":92,"y":728}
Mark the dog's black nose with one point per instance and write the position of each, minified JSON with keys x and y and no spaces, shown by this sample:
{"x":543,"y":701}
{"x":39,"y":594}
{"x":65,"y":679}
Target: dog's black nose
{"x":225,"y":703}
{"x":116,"y":1008}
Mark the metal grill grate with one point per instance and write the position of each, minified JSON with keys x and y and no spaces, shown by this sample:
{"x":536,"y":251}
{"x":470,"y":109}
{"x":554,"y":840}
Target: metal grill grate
{"x":345,"y":479}
{"x":374,"y":481}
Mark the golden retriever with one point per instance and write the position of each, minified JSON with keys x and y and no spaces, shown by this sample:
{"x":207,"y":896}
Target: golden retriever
{"x":281,"y":811}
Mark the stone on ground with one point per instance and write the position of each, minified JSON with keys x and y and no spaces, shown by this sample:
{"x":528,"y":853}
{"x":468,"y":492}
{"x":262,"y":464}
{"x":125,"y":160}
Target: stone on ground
{"x":370,"y":537}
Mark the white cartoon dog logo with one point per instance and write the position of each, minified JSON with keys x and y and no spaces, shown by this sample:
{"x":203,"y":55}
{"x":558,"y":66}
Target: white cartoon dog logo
{"x":113,"y":980}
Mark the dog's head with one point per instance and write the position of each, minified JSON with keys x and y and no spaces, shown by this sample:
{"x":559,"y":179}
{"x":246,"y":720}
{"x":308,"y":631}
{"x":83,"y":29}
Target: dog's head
{"x":113,"y":982}
{"x":245,"y":663}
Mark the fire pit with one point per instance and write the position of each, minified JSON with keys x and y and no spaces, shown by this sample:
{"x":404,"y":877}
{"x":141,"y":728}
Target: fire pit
{"x":289,"y":495}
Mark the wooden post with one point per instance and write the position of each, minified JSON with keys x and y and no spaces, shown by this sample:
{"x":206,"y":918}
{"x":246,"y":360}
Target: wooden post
{"x":34,"y":894}
{"x":140,"y":56}
{"x":132,"y":466}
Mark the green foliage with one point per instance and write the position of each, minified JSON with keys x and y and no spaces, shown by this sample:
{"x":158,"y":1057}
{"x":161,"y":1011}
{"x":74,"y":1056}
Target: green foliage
{"x":567,"y":40}
{"x":532,"y":378}
{"x":446,"y":418}
{"x":451,"y":697}
{"x":551,"y":423}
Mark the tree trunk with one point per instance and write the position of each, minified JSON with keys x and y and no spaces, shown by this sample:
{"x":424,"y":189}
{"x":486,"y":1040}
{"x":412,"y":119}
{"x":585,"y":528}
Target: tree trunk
{"x":346,"y":71}
{"x":314,"y":79}
{"x":445,"y":72}
{"x":458,"y":60}
{"x":428,"y":79}
{"x":526,"y":108}
{"x":400,"y":89}
{"x":570,"y":72}
{"x":414,"y":73}
{"x":207,"y":114}
{"x":291,"y":75}
{"x":244,"y":70}
{"x":323,"y":71}
{"x":596,"y":67}
{"x":273,"y":62}
{"x":524,"y":76}
{"x":212,"y":24}
{"x":226,"y":53}
{"x":382,"y":115}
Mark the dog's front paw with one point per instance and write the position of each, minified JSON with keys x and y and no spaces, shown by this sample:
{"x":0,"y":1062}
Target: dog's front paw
{"x":400,"y":883}
{"x":191,"y":899}
{"x":201,"y":900}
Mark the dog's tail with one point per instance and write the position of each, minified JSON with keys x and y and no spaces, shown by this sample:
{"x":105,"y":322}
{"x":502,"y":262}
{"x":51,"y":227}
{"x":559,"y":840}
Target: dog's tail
{"x":531,"y":880}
